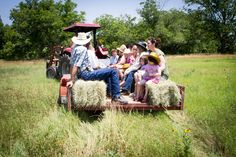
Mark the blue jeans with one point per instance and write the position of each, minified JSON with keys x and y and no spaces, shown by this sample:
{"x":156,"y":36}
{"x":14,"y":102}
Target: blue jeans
{"x":109,"y":75}
{"x":129,"y":80}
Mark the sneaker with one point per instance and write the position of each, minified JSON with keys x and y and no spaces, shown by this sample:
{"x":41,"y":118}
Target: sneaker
{"x":120,"y":100}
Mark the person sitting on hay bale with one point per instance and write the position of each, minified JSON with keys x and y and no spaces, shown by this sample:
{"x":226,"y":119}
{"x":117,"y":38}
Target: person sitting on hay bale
{"x":81,"y":66}
{"x":152,"y":74}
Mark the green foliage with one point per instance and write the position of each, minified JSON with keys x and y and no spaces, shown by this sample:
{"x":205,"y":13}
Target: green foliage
{"x":39,"y":24}
{"x":1,"y":33}
{"x":173,"y":29}
{"x":150,"y":14}
{"x":115,"y":31}
{"x":220,"y":20}
{"x":201,"y":40}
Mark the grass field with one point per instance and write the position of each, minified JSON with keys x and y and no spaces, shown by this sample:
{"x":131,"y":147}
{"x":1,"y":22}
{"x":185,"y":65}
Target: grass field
{"x":31,"y":124}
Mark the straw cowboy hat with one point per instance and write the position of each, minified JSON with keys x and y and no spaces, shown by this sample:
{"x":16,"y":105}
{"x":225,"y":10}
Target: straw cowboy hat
{"x":127,"y":51}
{"x":82,"y":38}
{"x":142,"y":44}
{"x":154,"y":56}
{"x":122,"y":48}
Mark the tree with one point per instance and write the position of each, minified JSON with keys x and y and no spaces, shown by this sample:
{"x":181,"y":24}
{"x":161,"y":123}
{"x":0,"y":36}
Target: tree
{"x":219,"y":18}
{"x":150,"y":15}
{"x":173,"y":29}
{"x":1,"y":33}
{"x":39,"y":24}
{"x":115,"y":31}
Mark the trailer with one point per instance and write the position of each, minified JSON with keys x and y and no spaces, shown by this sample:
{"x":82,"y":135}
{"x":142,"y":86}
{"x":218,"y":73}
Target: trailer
{"x":65,"y":99}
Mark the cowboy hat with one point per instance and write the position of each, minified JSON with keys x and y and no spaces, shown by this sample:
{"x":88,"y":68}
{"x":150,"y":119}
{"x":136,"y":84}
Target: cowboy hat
{"x":154,"y":56}
{"x":122,"y":48}
{"x":142,"y":44}
{"x":82,"y":38}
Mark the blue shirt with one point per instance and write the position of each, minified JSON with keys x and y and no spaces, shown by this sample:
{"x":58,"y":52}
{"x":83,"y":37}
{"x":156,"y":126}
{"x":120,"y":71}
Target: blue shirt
{"x":80,"y":58}
{"x":114,"y":59}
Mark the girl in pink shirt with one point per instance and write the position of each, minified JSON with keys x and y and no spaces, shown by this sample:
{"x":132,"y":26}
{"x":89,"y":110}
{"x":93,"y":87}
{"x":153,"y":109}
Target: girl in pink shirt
{"x":151,"y":75}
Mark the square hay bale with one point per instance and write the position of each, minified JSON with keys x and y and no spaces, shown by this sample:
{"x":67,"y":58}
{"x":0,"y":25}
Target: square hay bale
{"x":165,"y":93}
{"x":89,"y":93}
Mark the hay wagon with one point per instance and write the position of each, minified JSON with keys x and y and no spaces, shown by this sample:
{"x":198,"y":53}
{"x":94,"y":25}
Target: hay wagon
{"x":65,"y":99}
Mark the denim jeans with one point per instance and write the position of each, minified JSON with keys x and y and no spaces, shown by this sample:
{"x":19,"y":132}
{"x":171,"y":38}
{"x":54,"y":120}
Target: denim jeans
{"x":109,"y":75}
{"x":129,"y":80}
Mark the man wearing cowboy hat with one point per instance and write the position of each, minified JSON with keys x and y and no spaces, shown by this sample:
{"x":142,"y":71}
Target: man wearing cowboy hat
{"x":81,"y":66}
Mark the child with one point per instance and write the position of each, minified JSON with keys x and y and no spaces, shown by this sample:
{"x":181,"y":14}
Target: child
{"x":138,"y":75}
{"x":114,"y":58}
{"x":151,"y":75}
{"x":126,"y":60}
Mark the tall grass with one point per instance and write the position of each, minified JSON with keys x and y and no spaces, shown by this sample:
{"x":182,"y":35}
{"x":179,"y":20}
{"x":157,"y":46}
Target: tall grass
{"x":31,"y":124}
{"x":210,"y":98}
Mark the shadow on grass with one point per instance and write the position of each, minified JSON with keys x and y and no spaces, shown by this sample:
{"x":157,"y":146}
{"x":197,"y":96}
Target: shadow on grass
{"x":89,"y":116}
{"x":94,"y":116}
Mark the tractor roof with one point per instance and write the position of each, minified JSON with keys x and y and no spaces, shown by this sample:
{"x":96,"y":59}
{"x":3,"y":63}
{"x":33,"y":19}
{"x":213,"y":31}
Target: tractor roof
{"x":82,"y":27}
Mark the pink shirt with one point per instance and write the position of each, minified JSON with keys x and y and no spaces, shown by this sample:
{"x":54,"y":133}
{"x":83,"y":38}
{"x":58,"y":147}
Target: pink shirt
{"x":151,"y":69}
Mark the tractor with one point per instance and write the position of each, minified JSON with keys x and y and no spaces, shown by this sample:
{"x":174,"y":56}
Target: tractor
{"x":57,"y":63}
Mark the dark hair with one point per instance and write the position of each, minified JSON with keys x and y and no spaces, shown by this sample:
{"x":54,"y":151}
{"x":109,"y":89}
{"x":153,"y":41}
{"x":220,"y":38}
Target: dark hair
{"x":129,"y":46}
{"x":157,"y":41}
{"x":145,"y":60}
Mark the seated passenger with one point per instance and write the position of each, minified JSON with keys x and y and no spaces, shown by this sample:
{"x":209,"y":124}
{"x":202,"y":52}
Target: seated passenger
{"x":81,"y":66}
{"x":114,"y":57}
{"x":152,"y":74}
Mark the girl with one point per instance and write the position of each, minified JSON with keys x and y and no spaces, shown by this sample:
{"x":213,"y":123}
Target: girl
{"x":138,"y":75}
{"x":152,"y":74}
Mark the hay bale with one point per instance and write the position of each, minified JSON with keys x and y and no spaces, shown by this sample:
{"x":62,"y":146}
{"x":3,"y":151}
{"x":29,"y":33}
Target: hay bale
{"x":165,"y":93}
{"x":89,"y":93}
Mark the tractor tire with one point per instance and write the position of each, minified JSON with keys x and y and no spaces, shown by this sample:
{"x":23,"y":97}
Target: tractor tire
{"x":64,"y":65}
{"x":51,"y":72}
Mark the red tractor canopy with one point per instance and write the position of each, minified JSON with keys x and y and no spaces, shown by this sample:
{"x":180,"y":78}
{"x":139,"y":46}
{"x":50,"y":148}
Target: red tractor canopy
{"x":84,"y":27}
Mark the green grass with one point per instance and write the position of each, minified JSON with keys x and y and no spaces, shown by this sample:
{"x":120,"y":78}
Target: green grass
{"x":31,"y":124}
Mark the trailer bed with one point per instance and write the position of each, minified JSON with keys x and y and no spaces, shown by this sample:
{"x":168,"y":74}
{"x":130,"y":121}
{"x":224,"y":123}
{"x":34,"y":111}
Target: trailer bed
{"x":65,"y":99}
{"x":135,"y":105}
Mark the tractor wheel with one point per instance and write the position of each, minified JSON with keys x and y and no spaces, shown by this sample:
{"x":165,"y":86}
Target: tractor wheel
{"x":51,"y":72}
{"x":64,"y":65}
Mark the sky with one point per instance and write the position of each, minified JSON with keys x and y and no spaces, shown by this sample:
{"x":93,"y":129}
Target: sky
{"x":96,"y":8}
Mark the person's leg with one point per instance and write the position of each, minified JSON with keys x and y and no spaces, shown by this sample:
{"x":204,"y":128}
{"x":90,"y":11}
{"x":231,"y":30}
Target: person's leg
{"x":137,"y":91}
{"x":146,"y":91}
{"x":128,"y":81}
{"x":108,"y":83}
{"x":106,"y":74}
{"x":142,"y":89}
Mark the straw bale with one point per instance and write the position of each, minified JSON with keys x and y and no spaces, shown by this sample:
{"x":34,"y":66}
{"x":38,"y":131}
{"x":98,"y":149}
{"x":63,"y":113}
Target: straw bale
{"x":165,"y":93}
{"x":89,"y":93}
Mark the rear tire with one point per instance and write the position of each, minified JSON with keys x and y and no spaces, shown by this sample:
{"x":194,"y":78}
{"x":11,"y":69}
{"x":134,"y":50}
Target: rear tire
{"x":64,"y":65}
{"x":51,"y":72}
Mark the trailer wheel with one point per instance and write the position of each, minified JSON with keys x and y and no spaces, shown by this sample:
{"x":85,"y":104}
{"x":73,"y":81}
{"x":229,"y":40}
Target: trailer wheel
{"x":64,"y":65}
{"x":51,"y":72}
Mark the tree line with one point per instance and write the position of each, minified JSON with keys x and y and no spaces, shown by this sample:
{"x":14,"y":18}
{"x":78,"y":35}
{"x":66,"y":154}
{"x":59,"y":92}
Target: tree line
{"x":205,"y":26}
